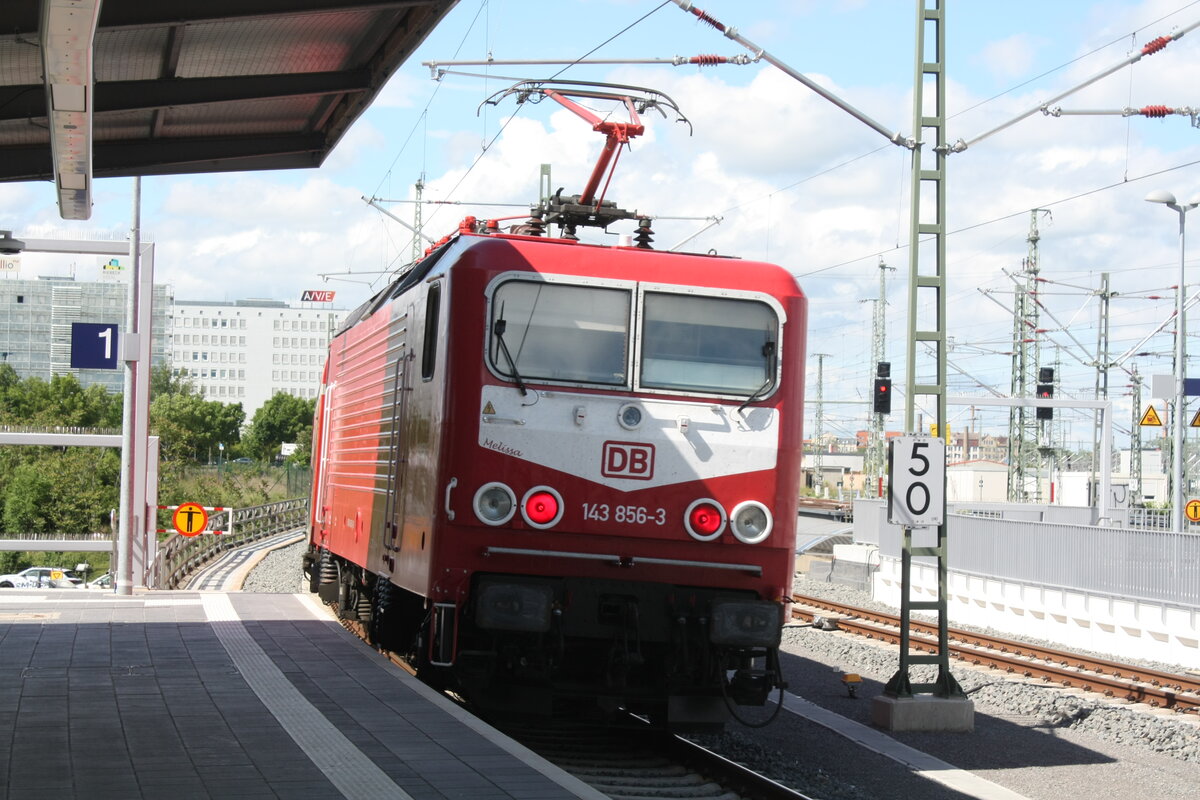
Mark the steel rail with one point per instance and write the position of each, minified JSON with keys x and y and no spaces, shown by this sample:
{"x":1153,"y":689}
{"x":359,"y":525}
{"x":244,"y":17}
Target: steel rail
{"x":1111,"y":678}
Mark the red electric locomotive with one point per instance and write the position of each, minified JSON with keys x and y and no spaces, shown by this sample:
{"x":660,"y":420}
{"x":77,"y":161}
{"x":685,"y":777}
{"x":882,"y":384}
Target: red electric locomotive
{"x":552,"y":472}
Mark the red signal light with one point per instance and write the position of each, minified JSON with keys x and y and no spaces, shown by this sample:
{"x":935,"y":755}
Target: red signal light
{"x":541,"y":508}
{"x":706,"y":519}
{"x":882,"y":400}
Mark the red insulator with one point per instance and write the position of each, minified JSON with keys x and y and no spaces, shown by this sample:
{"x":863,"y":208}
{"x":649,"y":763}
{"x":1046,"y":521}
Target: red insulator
{"x":1155,"y":111}
{"x":1156,"y":45}
{"x":708,"y":60}
{"x":467,"y":225}
{"x":704,"y":17}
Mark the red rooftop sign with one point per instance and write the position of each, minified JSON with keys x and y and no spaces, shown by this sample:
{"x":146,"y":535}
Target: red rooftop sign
{"x":315,"y":296}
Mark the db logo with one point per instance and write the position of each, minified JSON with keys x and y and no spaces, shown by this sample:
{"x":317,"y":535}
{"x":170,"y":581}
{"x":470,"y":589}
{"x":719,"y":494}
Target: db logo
{"x":628,"y":460}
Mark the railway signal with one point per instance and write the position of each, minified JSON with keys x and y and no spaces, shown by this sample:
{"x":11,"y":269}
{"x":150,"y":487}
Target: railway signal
{"x":1045,"y":391}
{"x":883,"y":396}
{"x":882,"y":392}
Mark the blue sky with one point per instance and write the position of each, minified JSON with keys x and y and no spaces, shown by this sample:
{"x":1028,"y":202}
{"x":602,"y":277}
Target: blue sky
{"x":795,"y":180}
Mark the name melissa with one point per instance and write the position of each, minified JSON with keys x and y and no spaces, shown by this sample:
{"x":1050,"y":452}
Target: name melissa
{"x":502,"y":448}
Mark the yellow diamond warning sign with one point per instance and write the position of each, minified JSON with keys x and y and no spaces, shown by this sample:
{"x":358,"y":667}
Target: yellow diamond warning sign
{"x":1151,"y":417}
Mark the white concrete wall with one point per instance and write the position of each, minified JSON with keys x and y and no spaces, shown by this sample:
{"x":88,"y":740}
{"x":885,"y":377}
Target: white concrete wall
{"x":966,"y":485}
{"x":1072,"y":619}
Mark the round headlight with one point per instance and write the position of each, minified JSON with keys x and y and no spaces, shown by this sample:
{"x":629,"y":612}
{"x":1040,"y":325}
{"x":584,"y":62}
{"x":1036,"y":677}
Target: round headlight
{"x":495,"y":504}
{"x":630,"y":416}
{"x":542,"y":507}
{"x":751,"y":522}
{"x":704,"y":519}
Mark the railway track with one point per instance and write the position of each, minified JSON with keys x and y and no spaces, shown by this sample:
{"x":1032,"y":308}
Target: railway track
{"x":628,"y":761}
{"x":1125,"y":681}
{"x":228,"y":571}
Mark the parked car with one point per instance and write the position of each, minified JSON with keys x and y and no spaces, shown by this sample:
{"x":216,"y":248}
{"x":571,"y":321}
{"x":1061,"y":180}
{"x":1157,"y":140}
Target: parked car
{"x":41,"y":578}
{"x":105,"y":581}
{"x":243,"y":461}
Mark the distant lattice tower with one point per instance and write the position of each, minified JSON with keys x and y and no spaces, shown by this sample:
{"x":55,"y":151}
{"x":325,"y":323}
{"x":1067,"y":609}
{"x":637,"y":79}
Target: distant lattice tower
{"x":417,"y":246}
{"x":818,"y":452}
{"x":876,"y":461}
{"x":1135,"y":438}
{"x":1023,"y":428}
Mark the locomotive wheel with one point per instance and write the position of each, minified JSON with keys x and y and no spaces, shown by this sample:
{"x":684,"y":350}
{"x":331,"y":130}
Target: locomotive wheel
{"x":314,"y":574}
{"x":330,"y":577}
{"x":364,"y":607}
{"x":347,"y":600}
{"x":382,"y":614}
{"x":395,"y":618}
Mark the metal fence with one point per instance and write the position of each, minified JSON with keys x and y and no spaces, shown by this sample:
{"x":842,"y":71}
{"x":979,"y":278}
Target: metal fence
{"x":73,"y":430}
{"x":1156,"y":519}
{"x":1135,"y":564}
{"x":103,"y":536}
{"x":179,"y":556}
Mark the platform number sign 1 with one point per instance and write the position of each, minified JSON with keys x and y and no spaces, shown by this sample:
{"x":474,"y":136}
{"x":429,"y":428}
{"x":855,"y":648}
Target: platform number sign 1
{"x":93,"y":345}
{"x":916,"y":481}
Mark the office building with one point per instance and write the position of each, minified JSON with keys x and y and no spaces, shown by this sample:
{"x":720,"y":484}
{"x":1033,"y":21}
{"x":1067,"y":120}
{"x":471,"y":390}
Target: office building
{"x":36,"y":317}
{"x":245,"y":351}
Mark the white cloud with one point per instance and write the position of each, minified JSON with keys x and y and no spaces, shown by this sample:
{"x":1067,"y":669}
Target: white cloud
{"x":1010,"y":58}
{"x":765,"y":156}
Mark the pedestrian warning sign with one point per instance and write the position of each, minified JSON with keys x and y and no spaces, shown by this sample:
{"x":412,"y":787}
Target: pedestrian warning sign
{"x":1192,"y":510}
{"x":1151,"y":418}
{"x":189,"y":519}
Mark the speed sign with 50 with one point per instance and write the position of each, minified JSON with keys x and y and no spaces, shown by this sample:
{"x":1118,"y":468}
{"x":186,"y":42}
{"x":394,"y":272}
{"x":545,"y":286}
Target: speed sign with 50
{"x":916,"y":481}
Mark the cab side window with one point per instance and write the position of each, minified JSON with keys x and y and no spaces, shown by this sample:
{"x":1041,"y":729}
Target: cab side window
{"x":429,"y":343}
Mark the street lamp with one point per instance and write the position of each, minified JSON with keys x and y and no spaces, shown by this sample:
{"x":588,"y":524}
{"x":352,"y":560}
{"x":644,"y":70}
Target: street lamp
{"x":1178,"y":501}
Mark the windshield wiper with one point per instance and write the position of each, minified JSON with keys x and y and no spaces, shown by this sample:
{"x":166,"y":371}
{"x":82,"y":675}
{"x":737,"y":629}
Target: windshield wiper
{"x":498,"y":331}
{"x":768,"y":351}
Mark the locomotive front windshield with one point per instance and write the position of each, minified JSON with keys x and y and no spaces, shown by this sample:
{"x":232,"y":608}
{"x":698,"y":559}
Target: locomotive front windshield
{"x":560,"y":332}
{"x":547,"y":331}
{"x":707,"y":344}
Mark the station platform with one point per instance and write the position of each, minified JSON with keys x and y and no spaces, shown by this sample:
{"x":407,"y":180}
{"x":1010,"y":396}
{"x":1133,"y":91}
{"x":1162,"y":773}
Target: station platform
{"x":186,"y":695}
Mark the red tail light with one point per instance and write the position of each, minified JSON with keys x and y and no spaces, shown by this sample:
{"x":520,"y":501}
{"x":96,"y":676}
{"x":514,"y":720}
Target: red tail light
{"x":704,"y":520}
{"x":542,"y":507}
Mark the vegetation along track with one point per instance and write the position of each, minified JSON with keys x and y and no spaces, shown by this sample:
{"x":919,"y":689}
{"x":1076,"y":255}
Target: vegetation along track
{"x":1126,"y":681}
{"x":628,"y":760}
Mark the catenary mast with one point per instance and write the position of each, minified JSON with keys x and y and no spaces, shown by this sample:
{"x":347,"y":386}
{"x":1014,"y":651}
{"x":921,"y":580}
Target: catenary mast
{"x":1022,"y":423}
{"x":876,"y":462}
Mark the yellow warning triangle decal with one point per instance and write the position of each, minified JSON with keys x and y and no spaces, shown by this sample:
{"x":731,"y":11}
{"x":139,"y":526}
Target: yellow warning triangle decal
{"x":1151,"y":417}
{"x":1195,"y":423}
{"x":489,"y":408}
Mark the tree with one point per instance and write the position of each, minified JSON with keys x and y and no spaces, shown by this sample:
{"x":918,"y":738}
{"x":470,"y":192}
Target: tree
{"x":8,"y":378}
{"x":283,"y":418}
{"x":57,"y":489}
{"x":164,"y":381}
{"x":61,"y":401}
{"x":303,"y":455}
{"x":191,"y":427}
{"x":28,"y":494}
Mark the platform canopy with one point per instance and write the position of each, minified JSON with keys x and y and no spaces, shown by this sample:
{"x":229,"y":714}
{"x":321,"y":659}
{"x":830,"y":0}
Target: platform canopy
{"x":184,"y":86}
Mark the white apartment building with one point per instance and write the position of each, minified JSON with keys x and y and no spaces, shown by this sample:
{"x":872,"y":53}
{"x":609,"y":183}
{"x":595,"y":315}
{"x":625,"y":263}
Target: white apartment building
{"x":245,"y":351}
{"x":234,"y":352}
